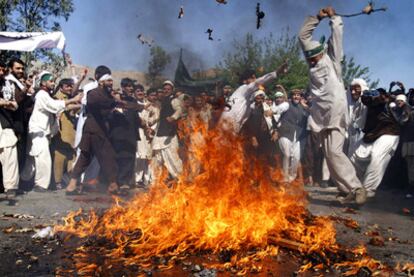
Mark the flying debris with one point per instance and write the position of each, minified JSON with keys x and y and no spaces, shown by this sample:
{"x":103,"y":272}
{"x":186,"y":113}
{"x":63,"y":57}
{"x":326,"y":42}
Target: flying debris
{"x":260,"y":15}
{"x":181,"y":12}
{"x":209,"y":32}
{"x":145,"y":40}
{"x":221,"y":1}
{"x":369,"y":9}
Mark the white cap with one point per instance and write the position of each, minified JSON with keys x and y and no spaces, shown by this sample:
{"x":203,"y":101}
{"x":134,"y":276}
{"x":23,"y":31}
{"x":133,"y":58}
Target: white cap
{"x":401,"y":97}
{"x":168,"y":82}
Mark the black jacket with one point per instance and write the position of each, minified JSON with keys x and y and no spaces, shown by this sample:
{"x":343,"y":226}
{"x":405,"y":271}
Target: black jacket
{"x":293,"y":121}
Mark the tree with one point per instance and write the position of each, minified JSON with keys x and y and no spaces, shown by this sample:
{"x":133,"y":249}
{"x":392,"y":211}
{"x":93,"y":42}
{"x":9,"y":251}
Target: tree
{"x":6,"y":7}
{"x":159,"y":60}
{"x":351,"y":70}
{"x":265,"y":55}
{"x":35,"y":16}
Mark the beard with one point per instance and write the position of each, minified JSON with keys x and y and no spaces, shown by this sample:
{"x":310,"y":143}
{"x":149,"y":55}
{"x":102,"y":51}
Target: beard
{"x":107,"y":88}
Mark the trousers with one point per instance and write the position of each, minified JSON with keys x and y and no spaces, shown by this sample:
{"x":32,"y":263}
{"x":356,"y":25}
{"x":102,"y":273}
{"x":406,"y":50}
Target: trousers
{"x":341,"y":169}
{"x":38,"y":163}
{"x":372,"y":165}
{"x":10,"y":167}
{"x":290,"y":158}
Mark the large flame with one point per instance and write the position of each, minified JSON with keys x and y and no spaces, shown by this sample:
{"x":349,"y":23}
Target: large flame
{"x":234,"y":203}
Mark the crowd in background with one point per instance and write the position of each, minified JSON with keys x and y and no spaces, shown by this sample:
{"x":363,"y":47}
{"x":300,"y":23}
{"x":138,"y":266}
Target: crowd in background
{"x":57,"y":136}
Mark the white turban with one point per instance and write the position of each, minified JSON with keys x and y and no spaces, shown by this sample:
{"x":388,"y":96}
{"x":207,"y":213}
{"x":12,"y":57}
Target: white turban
{"x":105,"y":77}
{"x":360,"y":82}
{"x":259,"y":92}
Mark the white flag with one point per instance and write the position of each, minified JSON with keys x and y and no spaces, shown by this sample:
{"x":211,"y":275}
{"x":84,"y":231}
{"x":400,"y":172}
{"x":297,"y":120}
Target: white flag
{"x":17,"y":41}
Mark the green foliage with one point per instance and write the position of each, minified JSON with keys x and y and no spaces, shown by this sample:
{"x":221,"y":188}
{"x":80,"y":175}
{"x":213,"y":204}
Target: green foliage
{"x":35,"y":16}
{"x":159,"y":60}
{"x":6,"y":7}
{"x":351,"y":70}
{"x":266,"y":55}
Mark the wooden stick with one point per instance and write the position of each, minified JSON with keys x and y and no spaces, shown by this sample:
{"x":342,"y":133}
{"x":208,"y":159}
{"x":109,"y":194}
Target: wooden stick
{"x":286,"y":243}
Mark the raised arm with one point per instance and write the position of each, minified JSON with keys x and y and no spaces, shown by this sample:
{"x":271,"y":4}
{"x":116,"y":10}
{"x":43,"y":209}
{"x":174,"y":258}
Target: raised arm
{"x":335,"y":43}
{"x":282,"y":69}
{"x":305,"y":33}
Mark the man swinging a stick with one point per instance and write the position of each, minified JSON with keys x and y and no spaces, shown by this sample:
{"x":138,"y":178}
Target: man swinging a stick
{"x":328,"y":114}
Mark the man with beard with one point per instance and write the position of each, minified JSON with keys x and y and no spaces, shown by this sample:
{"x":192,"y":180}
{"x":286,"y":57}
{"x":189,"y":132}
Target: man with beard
{"x":62,"y":143}
{"x":42,"y":126}
{"x":242,"y":98}
{"x":259,"y":136}
{"x":95,"y":136}
{"x":8,"y":141}
{"x":357,"y":114}
{"x":165,"y":142}
{"x":90,"y":175}
{"x":17,"y":91}
{"x":381,"y":138}
{"x":292,"y":133}
{"x":329,"y":115}
{"x":124,"y":135}
{"x":227,"y":91}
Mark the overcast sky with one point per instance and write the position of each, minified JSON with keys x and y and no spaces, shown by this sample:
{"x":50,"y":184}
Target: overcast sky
{"x":105,"y":31}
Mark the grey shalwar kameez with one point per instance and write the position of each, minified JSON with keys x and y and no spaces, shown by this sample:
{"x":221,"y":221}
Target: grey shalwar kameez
{"x":329,"y":110}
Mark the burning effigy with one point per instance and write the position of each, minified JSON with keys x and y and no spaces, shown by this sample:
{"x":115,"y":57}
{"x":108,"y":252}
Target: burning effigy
{"x":232,"y":215}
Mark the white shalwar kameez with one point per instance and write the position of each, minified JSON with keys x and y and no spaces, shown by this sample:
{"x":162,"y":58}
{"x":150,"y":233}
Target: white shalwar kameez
{"x":371,"y":160}
{"x":42,"y":125}
{"x":166,"y":147}
{"x":291,"y":157}
{"x":329,"y":103}
{"x":8,"y":159}
{"x":357,"y":116}
{"x":149,"y":118}
{"x":240,"y":102}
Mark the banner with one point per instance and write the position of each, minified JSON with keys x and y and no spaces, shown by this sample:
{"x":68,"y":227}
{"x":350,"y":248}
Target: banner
{"x":17,"y":41}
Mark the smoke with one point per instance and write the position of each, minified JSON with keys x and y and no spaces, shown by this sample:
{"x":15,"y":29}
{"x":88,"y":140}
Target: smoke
{"x":105,"y":32}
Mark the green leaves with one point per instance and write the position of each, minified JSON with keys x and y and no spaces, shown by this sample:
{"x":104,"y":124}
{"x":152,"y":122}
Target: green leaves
{"x":351,"y":70}
{"x":159,"y":60}
{"x":265,"y":55}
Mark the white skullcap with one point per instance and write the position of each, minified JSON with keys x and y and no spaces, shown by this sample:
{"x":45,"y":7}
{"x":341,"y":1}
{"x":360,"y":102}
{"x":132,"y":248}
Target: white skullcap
{"x":401,"y":97}
{"x":259,"y":92}
{"x":168,"y":82}
{"x":361,"y":82}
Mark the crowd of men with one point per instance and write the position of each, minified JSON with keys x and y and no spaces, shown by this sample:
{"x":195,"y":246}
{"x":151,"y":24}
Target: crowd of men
{"x":73,"y":138}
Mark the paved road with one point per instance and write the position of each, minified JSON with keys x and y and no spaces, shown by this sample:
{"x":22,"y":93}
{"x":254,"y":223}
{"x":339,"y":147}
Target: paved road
{"x":23,"y":256}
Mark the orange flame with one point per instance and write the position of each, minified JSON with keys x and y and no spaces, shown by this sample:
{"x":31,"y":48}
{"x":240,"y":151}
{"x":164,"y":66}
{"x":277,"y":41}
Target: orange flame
{"x":232,"y":204}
